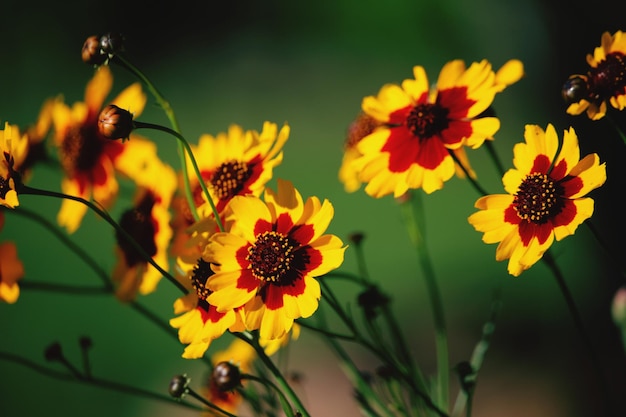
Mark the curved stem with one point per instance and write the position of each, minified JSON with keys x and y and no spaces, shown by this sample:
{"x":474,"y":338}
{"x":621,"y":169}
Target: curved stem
{"x":283,"y":400}
{"x":24,"y":189}
{"x":412,"y":211}
{"x":115,"y":386}
{"x":181,"y":139}
{"x":617,"y":128}
{"x":282,"y":382}
{"x":63,"y":238}
{"x":169,"y":112}
{"x":474,"y":183}
{"x":578,"y":323}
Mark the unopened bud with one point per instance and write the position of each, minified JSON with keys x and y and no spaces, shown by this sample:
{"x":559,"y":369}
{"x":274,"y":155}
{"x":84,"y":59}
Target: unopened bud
{"x":112,"y":43}
{"x":178,"y":386}
{"x":92,"y":53}
{"x":115,"y":123}
{"x":226,"y":376}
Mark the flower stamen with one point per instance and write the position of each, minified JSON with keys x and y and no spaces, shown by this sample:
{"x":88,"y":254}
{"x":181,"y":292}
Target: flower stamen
{"x":271,"y":256}
{"x":538,"y":198}
{"x":426,"y":120}
{"x":229,"y":179}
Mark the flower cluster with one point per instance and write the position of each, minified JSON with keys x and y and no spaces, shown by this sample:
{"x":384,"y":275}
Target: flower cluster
{"x":253,"y":258}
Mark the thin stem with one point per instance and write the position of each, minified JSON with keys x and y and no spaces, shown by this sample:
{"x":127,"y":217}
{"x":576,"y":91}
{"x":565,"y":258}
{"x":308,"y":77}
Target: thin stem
{"x":282,"y":382}
{"x":63,"y":238}
{"x":283,"y":400}
{"x":612,"y":255}
{"x":617,"y":128}
{"x":494,"y":157}
{"x":578,"y":323}
{"x":181,"y":139}
{"x":115,"y":386}
{"x":208,"y":403}
{"x":412,"y":212}
{"x":169,"y":112}
{"x":474,"y":183}
{"x":25,"y":190}
{"x":65,"y":288}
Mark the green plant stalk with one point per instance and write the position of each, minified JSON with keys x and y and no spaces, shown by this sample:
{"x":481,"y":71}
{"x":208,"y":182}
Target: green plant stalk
{"x":25,"y":190}
{"x":169,"y":112}
{"x":282,"y":382}
{"x":283,"y":400}
{"x":181,"y":139}
{"x":412,"y":212}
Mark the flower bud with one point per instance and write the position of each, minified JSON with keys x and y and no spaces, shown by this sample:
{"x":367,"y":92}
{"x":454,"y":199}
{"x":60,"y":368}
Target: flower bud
{"x":92,"y":53}
{"x":575,"y":89}
{"x":112,"y":43}
{"x":178,"y":386}
{"x":115,"y":123}
{"x":54,"y":352}
{"x":226,"y":376}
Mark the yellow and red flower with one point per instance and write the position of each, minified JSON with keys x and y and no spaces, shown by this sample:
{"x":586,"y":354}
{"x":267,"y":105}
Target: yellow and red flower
{"x":604,"y":81}
{"x":11,"y":269}
{"x":266,"y":261}
{"x":91,"y":161}
{"x":13,"y":150}
{"x":545,"y":201}
{"x":198,"y":322}
{"x":148,"y":221}
{"x":420,"y":126}
{"x":237,"y":162}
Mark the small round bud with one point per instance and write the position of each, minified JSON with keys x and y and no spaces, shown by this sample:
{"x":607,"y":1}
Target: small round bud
{"x":178,"y":386}
{"x":115,"y":123}
{"x":371,"y":300}
{"x":54,"y":352}
{"x":226,"y":376}
{"x":575,"y":89}
{"x":85,"y":342}
{"x":92,"y":53}
{"x":112,"y":43}
{"x":356,"y":237}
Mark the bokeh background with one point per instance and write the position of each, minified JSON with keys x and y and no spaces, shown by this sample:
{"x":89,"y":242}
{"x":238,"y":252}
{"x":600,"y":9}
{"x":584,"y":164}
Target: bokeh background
{"x":310,"y":64}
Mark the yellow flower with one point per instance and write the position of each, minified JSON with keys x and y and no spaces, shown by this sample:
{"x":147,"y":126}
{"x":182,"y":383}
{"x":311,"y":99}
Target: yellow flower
{"x":198,"y":322}
{"x":148,"y":222}
{"x":545,"y":199}
{"x":237,"y":162}
{"x":420,"y":125}
{"x":267,"y":260}
{"x":13,"y":150}
{"x":91,"y":161}
{"x":11,"y":270}
{"x":604,"y":81}
{"x":271,"y":346}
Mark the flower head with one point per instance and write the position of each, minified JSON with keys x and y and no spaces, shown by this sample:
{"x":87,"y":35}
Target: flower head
{"x":420,"y":125}
{"x":604,"y":81}
{"x":90,"y":161}
{"x":11,"y":269}
{"x":266,"y":261}
{"x":198,"y":322}
{"x":148,"y":222}
{"x":545,"y":199}
{"x":237,"y":162}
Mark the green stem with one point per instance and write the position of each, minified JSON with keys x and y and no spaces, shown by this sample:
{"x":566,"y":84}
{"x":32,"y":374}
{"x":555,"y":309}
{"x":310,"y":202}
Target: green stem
{"x":412,"y":212}
{"x":494,"y":157}
{"x":617,"y":128}
{"x":474,"y":183}
{"x":282,"y":382}
{"x":208,"y":403}
{"x":115,"y":386}
{"x":169,"y":112}
{"x":63,"y":238}
{"x":181,"y":139}
{"x":283,"y":400}
{"x":66,"y":289}
{"x":549,"y":260}
{"x":25,"y":190}
{"x":609,"y":251}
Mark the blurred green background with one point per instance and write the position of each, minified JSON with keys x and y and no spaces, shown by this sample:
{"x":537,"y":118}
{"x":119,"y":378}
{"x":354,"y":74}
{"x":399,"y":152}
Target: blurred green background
{"x":310,"y":64}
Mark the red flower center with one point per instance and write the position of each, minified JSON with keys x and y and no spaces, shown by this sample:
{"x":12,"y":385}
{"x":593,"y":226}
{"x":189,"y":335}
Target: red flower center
{"x":426,"y":120}
{"x":230,"y":178}
{"x":608,"y":79}
{"x":271,"y":256}
{"x":538,"y":198}
{"x":81,"y":148}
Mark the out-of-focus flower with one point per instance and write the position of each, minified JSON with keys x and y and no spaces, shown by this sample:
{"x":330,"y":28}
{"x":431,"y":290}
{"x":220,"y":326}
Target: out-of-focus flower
{"x":545,"y":199}
{"x":11,"y":269}
{"x":90,"y":161}
{"x":362,"y":126}
{"x":237,"y":162}
{"x":198,"y":322}
{"x":13,"y":150}
{"x":148,"y":221}
{"x":239,"y":354}
{"x":420,"y":126}
{"x":604,"y":81}
{"x":271,"y":346}
{"x":267,"y":260}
